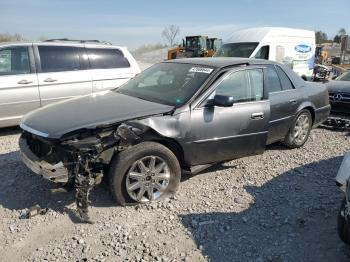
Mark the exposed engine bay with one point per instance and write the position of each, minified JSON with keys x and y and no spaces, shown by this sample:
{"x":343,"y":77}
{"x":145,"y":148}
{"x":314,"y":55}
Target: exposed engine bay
{"x":79,"y":161}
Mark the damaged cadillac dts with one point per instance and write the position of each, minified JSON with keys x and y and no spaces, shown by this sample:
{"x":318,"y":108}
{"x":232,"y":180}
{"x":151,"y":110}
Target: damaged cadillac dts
{"x":177,"y":116}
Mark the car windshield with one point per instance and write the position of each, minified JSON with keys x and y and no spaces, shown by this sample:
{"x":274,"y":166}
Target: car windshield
{"x":167,"y":83}
{"x":236,"y":50}
{"x":344,"y":77}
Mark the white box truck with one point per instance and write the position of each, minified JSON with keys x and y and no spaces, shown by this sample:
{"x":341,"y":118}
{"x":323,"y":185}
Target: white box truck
{"x":295,"y":47}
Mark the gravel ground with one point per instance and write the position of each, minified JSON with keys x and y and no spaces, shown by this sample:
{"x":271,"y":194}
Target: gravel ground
{"x":279,"y":206}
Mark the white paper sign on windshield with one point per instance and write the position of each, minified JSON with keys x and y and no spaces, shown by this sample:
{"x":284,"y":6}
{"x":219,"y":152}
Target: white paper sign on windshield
{"x":204,"y":70}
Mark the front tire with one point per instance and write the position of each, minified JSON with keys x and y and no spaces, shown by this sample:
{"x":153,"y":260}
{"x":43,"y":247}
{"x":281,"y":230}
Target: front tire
{"x":343,"y":225}
{"x":299,"y":131}
{"x":143,"y":173}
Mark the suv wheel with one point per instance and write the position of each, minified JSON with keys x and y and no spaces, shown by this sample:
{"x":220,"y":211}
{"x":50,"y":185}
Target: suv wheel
{"x":146,"y":172}
{"x":299,"y":131}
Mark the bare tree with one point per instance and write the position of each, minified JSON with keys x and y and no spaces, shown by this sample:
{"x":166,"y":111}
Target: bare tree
{"x":170,"y":33}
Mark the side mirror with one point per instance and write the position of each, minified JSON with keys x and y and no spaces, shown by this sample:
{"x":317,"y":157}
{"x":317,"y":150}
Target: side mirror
{"x":223,"y":101}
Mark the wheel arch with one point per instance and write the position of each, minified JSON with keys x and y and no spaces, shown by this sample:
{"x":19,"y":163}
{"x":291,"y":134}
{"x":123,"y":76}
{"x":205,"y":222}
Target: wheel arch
{"x":170,"y":143}
{"x":307,"y":106}
{"x":312,"y":111}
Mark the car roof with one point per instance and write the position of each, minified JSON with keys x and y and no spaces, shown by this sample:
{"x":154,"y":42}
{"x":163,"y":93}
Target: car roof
{"x":220,"y":62}
{"x":61,"y":43}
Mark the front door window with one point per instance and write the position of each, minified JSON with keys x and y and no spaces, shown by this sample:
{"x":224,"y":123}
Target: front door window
{"x":243,"y":86}
{"x":14,"y":61}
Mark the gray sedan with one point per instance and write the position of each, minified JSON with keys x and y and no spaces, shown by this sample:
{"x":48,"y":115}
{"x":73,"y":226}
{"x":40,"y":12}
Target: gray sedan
{"x":178,"y":115}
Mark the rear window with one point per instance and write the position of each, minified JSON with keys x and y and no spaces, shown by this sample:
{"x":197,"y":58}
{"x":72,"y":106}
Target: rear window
{"x":59,"y":58}
{"x":107,"y":58}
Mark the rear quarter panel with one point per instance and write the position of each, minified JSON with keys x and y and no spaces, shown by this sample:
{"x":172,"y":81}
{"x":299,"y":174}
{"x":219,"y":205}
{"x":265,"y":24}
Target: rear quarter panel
{"x":316,"y":98}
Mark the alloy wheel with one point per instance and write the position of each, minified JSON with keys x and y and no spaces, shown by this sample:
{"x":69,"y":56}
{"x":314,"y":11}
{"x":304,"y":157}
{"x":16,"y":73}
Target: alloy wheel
{"x":147,"y":179}
{"x":301,"y":128}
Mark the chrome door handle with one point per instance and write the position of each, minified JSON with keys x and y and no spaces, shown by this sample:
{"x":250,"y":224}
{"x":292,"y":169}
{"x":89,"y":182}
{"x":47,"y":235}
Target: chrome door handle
{"x":24,"y":82}
{"x":259,"y":115}
{"x":293,"y":101}
{"x":50,"y":80}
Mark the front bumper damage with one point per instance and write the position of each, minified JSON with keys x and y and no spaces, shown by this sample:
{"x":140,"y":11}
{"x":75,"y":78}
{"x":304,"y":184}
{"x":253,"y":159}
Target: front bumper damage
{"x":57,"y":173}
{"x":80,"y":159}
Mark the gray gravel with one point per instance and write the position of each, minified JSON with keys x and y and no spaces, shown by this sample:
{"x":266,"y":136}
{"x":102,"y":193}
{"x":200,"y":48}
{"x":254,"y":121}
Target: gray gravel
{"x":279,"y":206}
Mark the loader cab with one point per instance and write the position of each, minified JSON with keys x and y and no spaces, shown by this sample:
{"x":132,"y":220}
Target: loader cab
{"x":195,"y":46}
{"x":213,"y":45}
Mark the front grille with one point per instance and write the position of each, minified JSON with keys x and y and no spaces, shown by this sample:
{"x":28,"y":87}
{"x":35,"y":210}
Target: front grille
{"x":38,"y":147}
{"x":337,"y":97}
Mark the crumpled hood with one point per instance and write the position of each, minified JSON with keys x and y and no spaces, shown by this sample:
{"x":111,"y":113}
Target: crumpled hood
{"x":53,"y":121}
{"x":338,"y":86}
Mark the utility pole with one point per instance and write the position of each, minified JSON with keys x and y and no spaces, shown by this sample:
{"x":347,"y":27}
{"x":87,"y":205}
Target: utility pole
{"x":345,"y":46}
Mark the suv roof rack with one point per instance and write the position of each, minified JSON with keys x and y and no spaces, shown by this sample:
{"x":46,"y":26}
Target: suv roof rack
{"x":79,"y":41}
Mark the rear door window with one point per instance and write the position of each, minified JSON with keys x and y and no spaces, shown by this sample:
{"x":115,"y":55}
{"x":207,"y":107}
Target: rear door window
{"x":285,"y":81}
{"x":104,"y":58}
{"x":14,"y":61}
{"x":272,"y":81}
{"x":59,"y":58}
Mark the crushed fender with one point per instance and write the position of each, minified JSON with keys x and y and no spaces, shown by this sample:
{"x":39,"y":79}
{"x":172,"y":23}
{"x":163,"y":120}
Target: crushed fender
{"x":85,"y":174}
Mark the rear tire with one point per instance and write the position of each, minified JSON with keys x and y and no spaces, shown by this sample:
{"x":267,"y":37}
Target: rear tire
{"x":343,"y":225}
{"x":299,"y":131}
{"x":144,"y":168}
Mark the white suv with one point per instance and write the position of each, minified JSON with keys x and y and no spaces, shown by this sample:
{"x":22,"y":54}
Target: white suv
{"x":36,"y":74}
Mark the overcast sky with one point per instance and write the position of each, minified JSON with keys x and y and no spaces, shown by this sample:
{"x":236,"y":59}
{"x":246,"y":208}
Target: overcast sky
{"x":135,"y":22}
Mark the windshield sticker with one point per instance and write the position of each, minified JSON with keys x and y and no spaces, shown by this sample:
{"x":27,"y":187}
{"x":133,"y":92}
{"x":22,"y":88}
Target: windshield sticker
{"x":204,"y":70}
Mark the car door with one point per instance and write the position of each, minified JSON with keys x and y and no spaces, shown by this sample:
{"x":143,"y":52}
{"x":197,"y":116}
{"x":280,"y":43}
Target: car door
{"x":19,"y":92}
{"x":63,"y":73}
{"x":110,"y":68}
{"x":284,"y":102}
{"x":224,"y":133}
